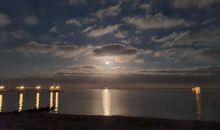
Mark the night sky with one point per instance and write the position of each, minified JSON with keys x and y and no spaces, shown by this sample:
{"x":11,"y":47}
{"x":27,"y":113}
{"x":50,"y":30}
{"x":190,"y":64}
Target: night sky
{"x":108,"y":37}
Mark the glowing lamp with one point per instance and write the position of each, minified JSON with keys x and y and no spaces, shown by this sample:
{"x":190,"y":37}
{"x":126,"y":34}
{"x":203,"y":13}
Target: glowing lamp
{"x":38,"y":87}
{"x":2,"y":87}
{"x":57,"y":87}
{"x":196,"y":90}
{"x":20,"y":88}
{"x":52,"y":87}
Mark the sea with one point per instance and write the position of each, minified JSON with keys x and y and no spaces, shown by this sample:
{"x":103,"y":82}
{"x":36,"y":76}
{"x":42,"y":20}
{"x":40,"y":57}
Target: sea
{"x":172,"y":101}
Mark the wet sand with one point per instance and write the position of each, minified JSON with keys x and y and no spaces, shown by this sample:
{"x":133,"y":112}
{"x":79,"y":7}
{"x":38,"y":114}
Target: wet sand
{"x":46,"y":121}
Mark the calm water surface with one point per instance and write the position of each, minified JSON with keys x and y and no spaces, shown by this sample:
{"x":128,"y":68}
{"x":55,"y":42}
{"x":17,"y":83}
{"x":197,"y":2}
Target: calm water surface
{"x":161,"y":103}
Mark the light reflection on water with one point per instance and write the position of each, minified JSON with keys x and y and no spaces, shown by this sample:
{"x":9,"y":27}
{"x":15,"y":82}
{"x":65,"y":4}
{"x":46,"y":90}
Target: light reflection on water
{"x":51,"y":99}
{"x":53,"y":102}
{"x":159,"y":103}
{"x":178,"y":104}
{"x":56,"y":102}
{"x":20,"y":102}
{"x":37,"y":100}
{"x":198,"y":106}
{"x":1,"y":100}
{"x":106,"y":102}
{"x":197,"y":91}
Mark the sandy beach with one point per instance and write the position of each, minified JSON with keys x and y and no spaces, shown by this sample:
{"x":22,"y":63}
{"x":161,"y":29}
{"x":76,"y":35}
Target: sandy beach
{"x":46,"y":121}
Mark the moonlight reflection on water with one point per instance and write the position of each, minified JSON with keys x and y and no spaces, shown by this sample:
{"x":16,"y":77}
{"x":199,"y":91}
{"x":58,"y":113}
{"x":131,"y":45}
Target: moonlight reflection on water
{"x":106,"y":102}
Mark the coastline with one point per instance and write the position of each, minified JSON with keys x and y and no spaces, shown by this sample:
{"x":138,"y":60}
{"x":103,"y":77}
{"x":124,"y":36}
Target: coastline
{"x":20,"y":121}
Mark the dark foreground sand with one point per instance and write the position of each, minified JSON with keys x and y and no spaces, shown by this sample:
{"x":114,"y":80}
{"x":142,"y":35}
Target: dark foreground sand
{"x":45,"y":121}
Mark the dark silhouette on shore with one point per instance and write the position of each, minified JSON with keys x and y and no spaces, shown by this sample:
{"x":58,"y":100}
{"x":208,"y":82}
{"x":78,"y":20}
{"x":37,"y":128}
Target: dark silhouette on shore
{"x":34,"y":110}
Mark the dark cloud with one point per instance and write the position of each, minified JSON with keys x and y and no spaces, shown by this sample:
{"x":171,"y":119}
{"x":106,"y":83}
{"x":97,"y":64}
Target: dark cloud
{"x":100,"y":70}
{"x":115,"y":50}
{"x":73,"y":22}
{"x":156,"y":21}
{"x":84,"y":68}
{"x":211,"y":54}
{"x":206,"y":37}
{"x":31,"y":20}
{"x":76,"y":2}
{"x":157,"y":77}
{"x":80,"y":70}
{"x":61,"y":50}
{"x":189,"y":54}
{"x":194,"y":3}
{"x":4,"y":20}
{"x":101,"y":31}
{"x":118,"y":53}
{"x":111,"y":11}
{"x":19,"y":34}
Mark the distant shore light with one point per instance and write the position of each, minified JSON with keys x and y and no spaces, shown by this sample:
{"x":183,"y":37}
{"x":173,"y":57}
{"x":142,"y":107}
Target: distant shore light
{"x":2,"y":87}
{"x":196,"y":89}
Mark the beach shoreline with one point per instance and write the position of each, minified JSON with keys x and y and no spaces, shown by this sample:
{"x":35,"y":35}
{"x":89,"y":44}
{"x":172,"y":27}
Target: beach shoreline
{"x":48,"y":121}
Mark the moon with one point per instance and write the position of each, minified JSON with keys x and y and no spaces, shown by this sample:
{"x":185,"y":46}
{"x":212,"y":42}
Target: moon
{"x":107,"y":62}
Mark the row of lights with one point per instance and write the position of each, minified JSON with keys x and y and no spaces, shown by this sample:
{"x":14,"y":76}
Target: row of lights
{"x":52,"y":88}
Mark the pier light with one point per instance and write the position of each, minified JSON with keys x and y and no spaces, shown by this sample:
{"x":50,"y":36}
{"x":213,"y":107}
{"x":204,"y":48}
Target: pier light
{"x":57,"y":87}
{"x":2,"y":87}
{"x":52,"y":87}
{"x":20,"y":88}
{"x":38,"y":87}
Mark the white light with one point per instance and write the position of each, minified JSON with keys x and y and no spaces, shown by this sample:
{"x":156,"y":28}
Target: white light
{"x":2,"y":87}
{"x":107,"y":62}
{"x":20,"y":88}
{"x":51,"y":87}
{"x":38,"y":87}
{"x":57,"y":87}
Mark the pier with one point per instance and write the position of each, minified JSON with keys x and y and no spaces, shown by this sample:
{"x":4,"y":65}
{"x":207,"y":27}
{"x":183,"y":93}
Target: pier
{"x":21,"y":91}
{"x":24,"y":89}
